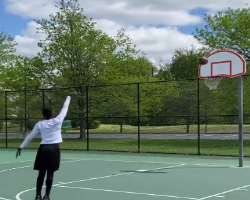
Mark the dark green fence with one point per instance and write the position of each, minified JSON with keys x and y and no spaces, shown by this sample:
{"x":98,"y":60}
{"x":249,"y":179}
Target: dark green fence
{"x":164,"y":116}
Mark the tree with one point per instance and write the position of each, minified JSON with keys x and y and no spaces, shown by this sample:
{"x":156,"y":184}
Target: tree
{"x":8,"y":59}
{"x":227,"y":29}
{"x":127,"y":64}
{"x":78,"y":54}
{"x":185,"y":64}
{"x":73,"y":45}
{"x":17,"y":74}
{"x":164,"y":73}
{"x":7,"y":49}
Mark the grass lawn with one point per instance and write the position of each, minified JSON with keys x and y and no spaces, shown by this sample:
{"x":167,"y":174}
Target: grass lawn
{"x":207,"y":147}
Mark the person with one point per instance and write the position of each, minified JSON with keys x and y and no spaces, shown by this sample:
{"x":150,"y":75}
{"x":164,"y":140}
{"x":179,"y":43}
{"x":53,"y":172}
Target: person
{"x":48,"y":154}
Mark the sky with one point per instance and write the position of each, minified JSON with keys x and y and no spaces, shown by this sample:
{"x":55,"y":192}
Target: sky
{"x":157,"y":27}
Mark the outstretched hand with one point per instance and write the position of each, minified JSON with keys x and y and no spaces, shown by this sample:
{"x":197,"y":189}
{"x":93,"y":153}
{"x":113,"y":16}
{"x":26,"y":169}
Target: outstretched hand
{"x":18,"y":152}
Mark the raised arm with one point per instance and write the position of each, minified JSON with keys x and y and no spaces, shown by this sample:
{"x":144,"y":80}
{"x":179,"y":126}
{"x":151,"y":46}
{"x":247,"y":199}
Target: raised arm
{"x":64,"y":110}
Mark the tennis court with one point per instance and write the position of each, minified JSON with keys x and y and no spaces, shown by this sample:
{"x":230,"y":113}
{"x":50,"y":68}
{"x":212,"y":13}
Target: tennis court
{"x":127,"y":176}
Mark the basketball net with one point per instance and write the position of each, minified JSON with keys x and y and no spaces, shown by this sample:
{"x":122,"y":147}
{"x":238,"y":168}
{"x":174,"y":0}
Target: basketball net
{"x":212,"y":83}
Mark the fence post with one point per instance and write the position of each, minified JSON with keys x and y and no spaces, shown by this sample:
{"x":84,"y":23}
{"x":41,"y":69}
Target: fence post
{"x":87,"y":115}
{"x":6,"y":119}
{"x":138,"y":117}
{"x":198,"y":116}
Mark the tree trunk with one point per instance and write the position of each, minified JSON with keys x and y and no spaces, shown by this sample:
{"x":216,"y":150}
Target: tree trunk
{"x":188,"y":128}
{"x":82,"y":110}
{"x":121,"y":128}
{"x":82,"y":128}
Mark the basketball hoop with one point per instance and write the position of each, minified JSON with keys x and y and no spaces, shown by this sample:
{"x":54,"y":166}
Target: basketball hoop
{"x":225,"y":63}
{"x":219,"y":64}
{"x":212,"y":82}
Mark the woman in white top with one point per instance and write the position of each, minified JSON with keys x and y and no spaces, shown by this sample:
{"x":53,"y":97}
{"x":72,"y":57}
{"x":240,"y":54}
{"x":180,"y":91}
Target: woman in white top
{"x":48,"y":154}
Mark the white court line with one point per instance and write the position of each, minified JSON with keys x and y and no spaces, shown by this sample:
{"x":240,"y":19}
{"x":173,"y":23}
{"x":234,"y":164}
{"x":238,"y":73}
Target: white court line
{"x":70,"y":161}
{"x":120,"y":174}
{"x":14,"y":168}
{"x":18,"y":196}
{"x":155,"y":162}
{"x":124,"y":161}
{"x":1,"y":198}
{"x":129,"y":192}
{"x":22,"y":167}
{"x":159,"y":168}
{"x":6,"y":163}
{"x":214,"y":165}
{"x":225,"y":192}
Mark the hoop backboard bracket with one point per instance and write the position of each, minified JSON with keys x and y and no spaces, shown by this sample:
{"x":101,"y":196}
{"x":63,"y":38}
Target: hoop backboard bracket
{"x":224,"y":63}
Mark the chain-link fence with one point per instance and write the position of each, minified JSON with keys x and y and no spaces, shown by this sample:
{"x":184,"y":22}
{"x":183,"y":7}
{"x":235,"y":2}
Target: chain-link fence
{"x":164,"y":116}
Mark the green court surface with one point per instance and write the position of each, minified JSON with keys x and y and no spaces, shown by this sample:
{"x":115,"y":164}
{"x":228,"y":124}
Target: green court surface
{"x":124,"y":176}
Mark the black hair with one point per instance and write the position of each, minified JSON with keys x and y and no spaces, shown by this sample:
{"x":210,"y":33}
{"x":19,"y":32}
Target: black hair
{"x":47,"y":113}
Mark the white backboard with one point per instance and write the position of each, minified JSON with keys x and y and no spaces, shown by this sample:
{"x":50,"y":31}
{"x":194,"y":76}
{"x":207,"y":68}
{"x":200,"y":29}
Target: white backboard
{"x":223,"y":63}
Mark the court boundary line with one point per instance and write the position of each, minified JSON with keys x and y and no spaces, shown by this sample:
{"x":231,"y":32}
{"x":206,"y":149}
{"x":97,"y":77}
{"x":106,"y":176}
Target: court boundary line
{"x":27,"y":166}
{"x":125,"y":161}
{"x":6,"y":163}
{"x":65,"y":183}
{"x":155,"y":162}
{"x":18,"y":195}
{"x":2,"y":198}
{"x":74,"y":159}
{"x":225,"y":192}
{"x":128,"y":192}
{"x":70,"y":161}
{"x":14,"y":168}
{"x":145,"y":162}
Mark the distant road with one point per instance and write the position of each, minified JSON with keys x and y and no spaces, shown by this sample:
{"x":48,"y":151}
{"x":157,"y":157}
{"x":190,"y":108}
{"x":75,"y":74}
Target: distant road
{"x":160,"y":136}
{"x":172,"y":136}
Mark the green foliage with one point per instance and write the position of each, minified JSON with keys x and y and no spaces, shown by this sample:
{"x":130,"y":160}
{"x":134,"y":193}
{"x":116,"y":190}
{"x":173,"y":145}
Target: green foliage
{"x":185,"y":64}
{"x":130,"y":70}
{"x":93,"y":124}
{"x":227,"y":29}
{"x":73,"y":46}
{"x":164,"y":73}
{"x":7,"y":49}
{"x":152,"y":101}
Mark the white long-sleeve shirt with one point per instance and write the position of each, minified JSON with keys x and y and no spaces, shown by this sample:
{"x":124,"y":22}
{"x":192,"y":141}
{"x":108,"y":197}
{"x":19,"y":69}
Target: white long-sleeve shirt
{"x":48,"y":130}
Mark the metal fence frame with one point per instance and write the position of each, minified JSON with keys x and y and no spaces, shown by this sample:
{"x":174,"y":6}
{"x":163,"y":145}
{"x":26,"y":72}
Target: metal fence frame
{"x":138,"y":116}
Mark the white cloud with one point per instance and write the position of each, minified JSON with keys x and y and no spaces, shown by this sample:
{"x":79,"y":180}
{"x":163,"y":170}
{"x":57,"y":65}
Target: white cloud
{"x":108,"y":26}
{"x":158,"y":43}
{"x":31,"y":8}
{"x":27,"y":41}
{"x":153,"y":25}
{"x":166,"y":12}
{"x":124,"y":14}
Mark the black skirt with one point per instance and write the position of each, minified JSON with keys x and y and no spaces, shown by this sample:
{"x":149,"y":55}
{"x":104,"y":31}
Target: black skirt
{"x":47,"y":157}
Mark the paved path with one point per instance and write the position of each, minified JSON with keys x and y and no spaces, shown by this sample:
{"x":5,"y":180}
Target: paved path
{"x":160,"y":136}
